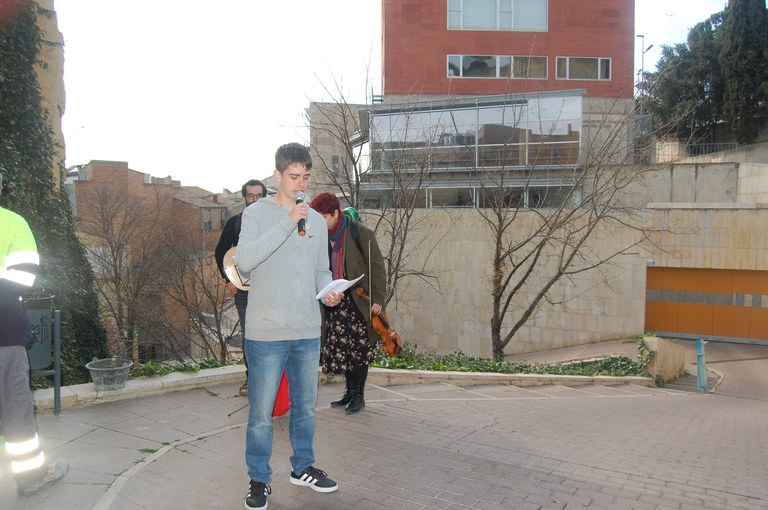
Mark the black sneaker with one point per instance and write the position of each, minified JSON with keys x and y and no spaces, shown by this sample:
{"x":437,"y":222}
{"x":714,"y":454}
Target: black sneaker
{"x":256,"y":499}
{"x":315,"y":479}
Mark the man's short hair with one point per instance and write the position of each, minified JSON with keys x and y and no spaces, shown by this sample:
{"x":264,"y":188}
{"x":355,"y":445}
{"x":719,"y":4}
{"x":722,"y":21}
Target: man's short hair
{"x":254,"y":182}
{"x":291,"y":154}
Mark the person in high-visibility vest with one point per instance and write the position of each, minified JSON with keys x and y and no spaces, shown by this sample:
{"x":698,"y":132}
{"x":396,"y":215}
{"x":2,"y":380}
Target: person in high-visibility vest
{"x":19,"y":264}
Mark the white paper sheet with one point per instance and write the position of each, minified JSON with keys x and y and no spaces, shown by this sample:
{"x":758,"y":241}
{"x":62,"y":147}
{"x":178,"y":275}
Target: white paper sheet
{"x":339,"y":285}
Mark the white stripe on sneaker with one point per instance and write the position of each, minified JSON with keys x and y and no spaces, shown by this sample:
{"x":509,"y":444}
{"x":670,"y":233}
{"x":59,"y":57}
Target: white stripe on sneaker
{"x":315,"y":479}
{"x":308,"y":479}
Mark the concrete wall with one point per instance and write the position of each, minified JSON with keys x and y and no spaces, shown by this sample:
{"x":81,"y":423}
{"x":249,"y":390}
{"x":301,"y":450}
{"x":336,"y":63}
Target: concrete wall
{"x":707,"y":183}
{"x":457,"y":247}
{"x":714,"y":236}
{"x":694,"y":183}
{"x":753,"y":183}
{"x":456,"y":313}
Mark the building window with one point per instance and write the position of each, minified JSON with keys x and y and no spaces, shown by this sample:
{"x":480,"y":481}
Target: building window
{"x":529,"y":197}
{"x":335,"y":166}
{"x":529,"y":67}
{"x":497,"y":66}
{"x":513,"y":15}
{"x":583,"y":68}
{"x":450,"y":197}
{"x":499,"y":197}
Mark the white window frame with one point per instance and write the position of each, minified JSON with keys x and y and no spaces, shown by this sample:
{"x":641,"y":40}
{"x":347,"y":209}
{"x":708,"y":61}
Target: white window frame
{"x":600,"y":62}
{"x":498,"y":67}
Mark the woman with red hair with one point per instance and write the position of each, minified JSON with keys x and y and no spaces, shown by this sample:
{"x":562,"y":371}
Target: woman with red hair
{"x":349,"y":340}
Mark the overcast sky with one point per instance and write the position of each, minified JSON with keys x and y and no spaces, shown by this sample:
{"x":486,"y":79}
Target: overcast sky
{"x":206,"y":91}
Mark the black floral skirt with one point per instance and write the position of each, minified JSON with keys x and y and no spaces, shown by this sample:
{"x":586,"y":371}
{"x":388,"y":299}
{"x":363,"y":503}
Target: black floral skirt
{"x":346,"y":344}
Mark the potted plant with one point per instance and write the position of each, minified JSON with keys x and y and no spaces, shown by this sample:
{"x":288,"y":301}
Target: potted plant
{"x":109,"y":374}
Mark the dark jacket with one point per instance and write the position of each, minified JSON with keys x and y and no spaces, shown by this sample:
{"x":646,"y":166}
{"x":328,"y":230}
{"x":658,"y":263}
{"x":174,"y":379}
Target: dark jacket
{"x":19,"y":263}
{"x":356,"y":263}
{"x":230,"y":235}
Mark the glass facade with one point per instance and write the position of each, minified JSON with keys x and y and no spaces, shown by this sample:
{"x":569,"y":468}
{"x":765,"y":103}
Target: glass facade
{"x":473,"y":155}
{"x":536,"y":132}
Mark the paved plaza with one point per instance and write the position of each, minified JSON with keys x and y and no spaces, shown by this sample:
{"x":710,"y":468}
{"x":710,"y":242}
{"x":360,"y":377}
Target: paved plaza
{"x":434,"y":446}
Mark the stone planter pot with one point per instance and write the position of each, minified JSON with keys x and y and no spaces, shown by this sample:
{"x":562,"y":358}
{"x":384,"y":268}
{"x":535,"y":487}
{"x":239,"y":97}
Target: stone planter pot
{"x":109,"y":374}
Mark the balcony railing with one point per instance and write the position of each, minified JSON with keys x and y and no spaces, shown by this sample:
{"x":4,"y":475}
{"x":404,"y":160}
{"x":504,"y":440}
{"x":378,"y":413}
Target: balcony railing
{"x":517,"y":155}
{"x":667,"y":152}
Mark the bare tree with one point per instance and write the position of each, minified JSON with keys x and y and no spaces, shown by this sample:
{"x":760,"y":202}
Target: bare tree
{"x":387,"y":184}
{"x":125,"y":241}
{"x":158,"y":283}
{"x":194,"y":288}
{"x":338,"y":130}
{"x":402,"y":171}
{"x":547,"y":209}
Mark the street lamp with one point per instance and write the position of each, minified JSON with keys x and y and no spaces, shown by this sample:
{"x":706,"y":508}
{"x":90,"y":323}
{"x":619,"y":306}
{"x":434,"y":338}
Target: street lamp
{"x":641,"y":81}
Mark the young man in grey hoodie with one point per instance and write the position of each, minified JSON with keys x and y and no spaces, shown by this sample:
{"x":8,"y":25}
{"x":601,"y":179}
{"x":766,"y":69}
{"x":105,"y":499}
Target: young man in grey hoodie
{"x":282,"y":326}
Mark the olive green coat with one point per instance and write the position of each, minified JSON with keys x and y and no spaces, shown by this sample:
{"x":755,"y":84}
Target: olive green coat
{"x":375,"y":281}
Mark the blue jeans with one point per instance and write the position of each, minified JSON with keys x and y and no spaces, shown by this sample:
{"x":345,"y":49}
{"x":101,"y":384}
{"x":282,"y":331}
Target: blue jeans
{"x":266,"y":361}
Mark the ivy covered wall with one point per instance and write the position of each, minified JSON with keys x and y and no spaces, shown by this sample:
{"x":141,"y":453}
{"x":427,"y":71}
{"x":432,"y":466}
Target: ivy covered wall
{"x":29,"y":156}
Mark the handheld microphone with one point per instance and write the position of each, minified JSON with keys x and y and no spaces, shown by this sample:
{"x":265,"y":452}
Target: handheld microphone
{"x":301,"y":224}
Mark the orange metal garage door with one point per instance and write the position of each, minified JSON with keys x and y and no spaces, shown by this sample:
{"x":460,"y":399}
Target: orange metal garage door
{"x":707,"y":303}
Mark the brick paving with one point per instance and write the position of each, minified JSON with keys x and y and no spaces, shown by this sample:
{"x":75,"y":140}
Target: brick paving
{"x":435,"y":446}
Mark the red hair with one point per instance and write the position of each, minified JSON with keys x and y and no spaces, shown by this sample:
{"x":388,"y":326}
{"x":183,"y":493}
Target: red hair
{"x":326,"y":203}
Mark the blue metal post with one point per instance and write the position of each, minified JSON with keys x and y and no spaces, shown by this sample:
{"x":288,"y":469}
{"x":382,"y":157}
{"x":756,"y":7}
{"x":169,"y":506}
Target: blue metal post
{"x":57,"y":362}
{"x":701,"y":367}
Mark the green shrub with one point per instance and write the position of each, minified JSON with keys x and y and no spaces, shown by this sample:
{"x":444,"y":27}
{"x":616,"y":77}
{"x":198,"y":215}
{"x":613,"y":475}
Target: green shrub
{"x":152,"y":368}
{"x":409,"y":359}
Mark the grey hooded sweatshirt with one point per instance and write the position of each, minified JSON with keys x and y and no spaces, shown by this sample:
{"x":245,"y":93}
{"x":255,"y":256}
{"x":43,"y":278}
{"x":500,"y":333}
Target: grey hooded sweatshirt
{"x":286,"y":270}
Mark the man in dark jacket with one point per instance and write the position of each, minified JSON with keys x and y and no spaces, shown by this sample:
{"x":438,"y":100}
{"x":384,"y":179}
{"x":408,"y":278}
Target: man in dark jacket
{"x":252,"y":191}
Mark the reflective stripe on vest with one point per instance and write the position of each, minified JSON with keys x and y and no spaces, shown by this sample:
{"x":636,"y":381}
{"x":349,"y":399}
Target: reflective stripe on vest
{"x":18,"y":250}
{"x":19,"y":276}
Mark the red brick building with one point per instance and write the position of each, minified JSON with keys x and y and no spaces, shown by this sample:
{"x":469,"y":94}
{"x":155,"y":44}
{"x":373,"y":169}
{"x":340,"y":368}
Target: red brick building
{"x":488,"y":47}
{"x":197,"y":214}
{"x":150,"y":242}
{"x":477,"y":92}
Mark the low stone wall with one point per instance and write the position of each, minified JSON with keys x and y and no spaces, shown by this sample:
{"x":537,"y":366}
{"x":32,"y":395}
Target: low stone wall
{"x":668,"y":363}
{"x":82,"y":395}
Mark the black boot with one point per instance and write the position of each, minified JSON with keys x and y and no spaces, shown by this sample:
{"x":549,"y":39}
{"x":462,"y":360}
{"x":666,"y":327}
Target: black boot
{"x":347,"y":397}
{"x":358,"y":397}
